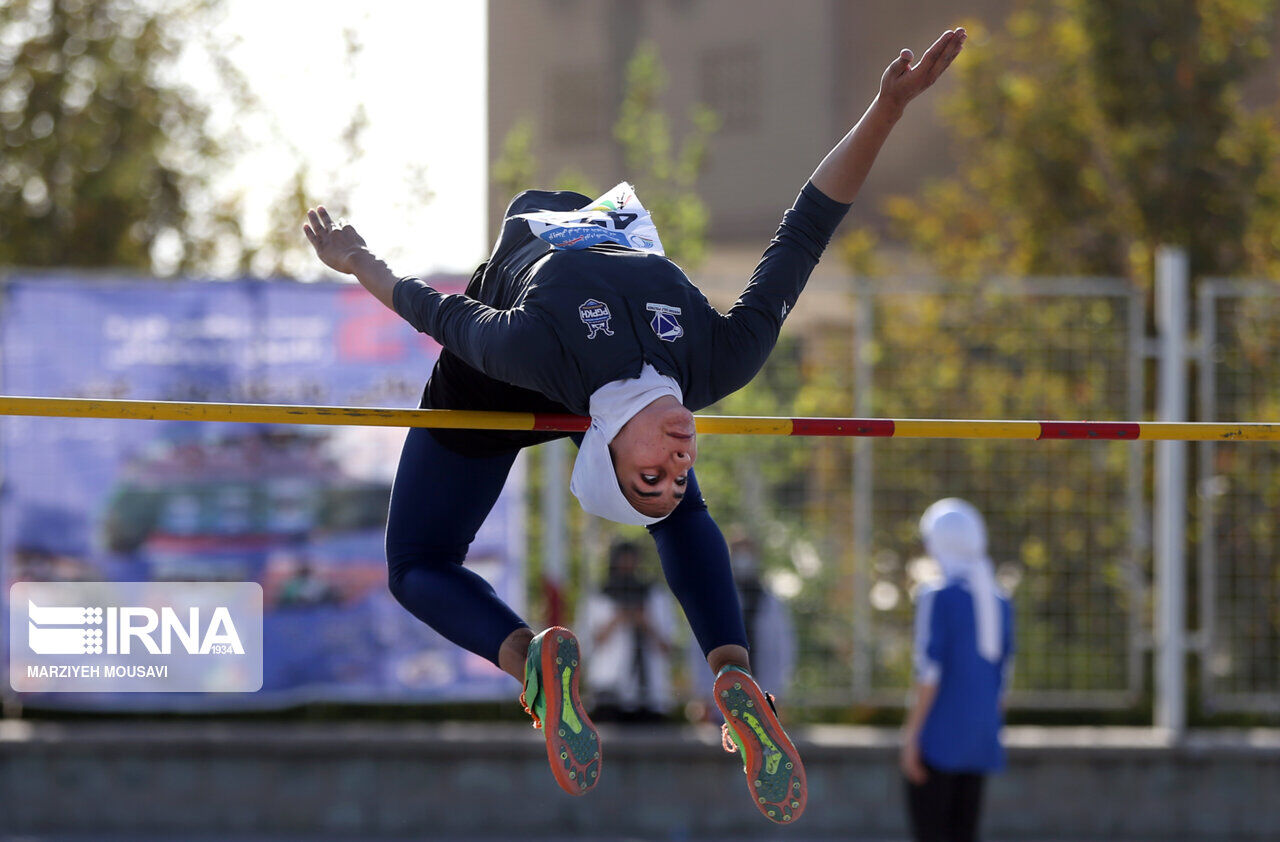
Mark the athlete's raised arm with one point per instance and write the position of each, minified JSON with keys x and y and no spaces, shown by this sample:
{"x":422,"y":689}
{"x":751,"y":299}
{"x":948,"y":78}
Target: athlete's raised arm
{"x":747,"y":333}
{"x":341,"y":248}
{"x":504,"y":344}
{"x":841,"y":173}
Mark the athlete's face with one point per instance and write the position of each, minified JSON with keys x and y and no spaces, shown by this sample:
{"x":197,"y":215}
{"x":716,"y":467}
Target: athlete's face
{"x":652,"y":455}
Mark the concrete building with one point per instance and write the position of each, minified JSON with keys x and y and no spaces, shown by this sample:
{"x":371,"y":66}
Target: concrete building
{"x":787,"y":79}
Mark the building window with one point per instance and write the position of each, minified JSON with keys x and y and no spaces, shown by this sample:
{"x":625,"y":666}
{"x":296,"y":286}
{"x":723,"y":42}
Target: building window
{"x":580,"y":113}
{"x":731,"y":86}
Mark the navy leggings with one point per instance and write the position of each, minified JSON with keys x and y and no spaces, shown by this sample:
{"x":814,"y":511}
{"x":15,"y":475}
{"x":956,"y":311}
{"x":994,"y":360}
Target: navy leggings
{"x":438,"y":502}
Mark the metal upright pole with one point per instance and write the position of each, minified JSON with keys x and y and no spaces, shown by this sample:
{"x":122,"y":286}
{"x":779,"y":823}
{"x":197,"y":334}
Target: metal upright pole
{"x":554,"y":538}
{"x":862,"y":491}
{"x":1172,"y":290}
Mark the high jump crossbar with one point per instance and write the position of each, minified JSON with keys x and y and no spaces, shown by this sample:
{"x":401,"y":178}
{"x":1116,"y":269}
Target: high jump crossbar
{"x":906,"y":428}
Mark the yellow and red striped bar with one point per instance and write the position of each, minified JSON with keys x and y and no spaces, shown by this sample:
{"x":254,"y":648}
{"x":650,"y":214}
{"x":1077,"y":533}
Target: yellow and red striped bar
{"x":710,"y":424}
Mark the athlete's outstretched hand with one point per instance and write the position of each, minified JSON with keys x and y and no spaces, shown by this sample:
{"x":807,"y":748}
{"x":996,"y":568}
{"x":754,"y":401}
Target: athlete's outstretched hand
{"x":841,"y":173}
{"x":902,"y":81}
{"x":335,"y":245}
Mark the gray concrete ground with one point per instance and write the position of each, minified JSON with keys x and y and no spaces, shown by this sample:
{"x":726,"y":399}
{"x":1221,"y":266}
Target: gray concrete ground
{"x":66,"y":782}
{"x":788,"y":838}
{"x":437,"y":838}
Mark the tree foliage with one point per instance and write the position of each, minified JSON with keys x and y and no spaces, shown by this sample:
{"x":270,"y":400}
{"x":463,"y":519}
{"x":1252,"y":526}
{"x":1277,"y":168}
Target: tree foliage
{"x":115,"y":156}
{"x":1242,"y":494}
{"x":516,"y":167}
{"x":1090,"y":132}
{"x":1087,"y":134}
{"x":104,"y":146}
{"x":664,"y":175}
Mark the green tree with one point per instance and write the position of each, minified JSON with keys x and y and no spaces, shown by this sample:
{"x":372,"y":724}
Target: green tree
{"x":663,"y":175}
{"x":1089,"y":132}
{"x":516,"y":167}
{"x":103,"y":147}
{"x":280,"y":251}
{"x":110,"y":159}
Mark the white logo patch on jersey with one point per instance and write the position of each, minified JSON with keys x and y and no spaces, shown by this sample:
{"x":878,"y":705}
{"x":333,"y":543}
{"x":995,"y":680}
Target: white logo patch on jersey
{"x":664,"y":322}
{"x":595,"y":315}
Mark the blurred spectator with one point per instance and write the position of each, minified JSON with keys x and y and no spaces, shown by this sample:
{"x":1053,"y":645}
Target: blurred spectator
{"x":770,"y":633}
{"x":628,"y":637}
{"x":305,"y":588}
{"x":963,"y":644}
{"x":767,"y":618}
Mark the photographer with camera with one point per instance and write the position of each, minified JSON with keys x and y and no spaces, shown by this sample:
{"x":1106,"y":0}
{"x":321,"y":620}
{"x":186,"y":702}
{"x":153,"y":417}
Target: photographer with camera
{"x":628,"y":636}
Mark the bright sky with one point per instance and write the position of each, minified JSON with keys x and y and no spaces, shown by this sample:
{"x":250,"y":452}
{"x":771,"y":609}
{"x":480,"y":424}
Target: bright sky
{"x":421,"y":76}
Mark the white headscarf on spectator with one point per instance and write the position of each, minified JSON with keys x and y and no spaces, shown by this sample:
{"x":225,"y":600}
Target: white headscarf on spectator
{"x":955,"y":536}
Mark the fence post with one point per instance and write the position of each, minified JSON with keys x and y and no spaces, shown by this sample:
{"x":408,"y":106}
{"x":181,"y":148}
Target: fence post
{"x":1172,"y":291}
{"x":862,"y":491}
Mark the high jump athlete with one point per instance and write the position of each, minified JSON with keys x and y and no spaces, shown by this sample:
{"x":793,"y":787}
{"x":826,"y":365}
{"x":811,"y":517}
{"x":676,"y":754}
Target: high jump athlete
{"x":625,"y":337}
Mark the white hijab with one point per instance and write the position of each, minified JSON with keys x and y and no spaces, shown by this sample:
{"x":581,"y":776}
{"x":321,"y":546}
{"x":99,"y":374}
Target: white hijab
{"x":955,"y":536}
{"x":594,"y":481}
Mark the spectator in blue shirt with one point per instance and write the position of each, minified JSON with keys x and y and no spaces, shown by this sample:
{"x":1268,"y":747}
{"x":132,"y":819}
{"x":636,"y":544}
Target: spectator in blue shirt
{"x":963,"y":644}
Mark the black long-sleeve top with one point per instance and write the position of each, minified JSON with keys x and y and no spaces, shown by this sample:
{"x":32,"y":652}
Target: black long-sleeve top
{"x":539,"y":330}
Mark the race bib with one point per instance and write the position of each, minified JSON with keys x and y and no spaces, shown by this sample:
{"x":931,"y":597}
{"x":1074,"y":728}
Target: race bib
{"x":616,"y":217}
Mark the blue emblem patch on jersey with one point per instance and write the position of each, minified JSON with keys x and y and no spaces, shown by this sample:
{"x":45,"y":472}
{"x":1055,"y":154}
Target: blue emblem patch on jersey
{"x":664,"y":321}
{"x":595,"y":315}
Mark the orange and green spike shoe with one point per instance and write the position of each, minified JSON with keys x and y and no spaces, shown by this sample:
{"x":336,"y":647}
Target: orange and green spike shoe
{"x":775,"y":775}
{"x":550,"y":696}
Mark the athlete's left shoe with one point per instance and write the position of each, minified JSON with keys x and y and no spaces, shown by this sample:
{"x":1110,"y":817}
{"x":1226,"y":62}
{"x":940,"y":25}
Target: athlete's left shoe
{"x":775,"y":775}
{"x":550,"y":696}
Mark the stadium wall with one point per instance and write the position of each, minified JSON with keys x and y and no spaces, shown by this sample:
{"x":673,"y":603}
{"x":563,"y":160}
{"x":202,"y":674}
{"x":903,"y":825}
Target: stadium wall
{"x":491,"y":782}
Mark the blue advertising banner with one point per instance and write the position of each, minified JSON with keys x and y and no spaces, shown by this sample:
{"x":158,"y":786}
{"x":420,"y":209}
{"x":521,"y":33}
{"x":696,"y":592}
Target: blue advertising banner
{"x":299,"y":510}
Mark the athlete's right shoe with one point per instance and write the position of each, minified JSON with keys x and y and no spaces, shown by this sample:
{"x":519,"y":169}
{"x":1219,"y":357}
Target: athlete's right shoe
{"x":550,"y":696}
{"x":775,"y":775}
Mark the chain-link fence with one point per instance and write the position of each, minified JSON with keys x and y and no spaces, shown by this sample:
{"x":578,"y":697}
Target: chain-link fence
{"x":835,"y":520}
{"x":1065,"y":519}
{"x":1239,"y":500}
